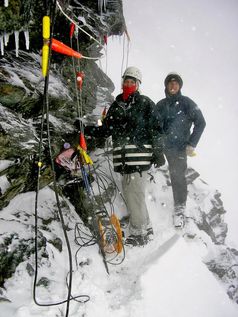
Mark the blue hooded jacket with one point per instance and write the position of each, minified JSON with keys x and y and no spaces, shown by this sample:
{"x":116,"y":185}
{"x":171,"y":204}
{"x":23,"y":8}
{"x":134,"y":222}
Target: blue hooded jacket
{"x":177,"y":114}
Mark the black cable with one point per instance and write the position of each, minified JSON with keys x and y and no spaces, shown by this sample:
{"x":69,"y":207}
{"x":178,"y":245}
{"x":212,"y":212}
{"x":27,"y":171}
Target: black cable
{"x":45,"y":110}
{"x":54,"y":177}
{"x":110,"y":227}
{"x":97,"y":235}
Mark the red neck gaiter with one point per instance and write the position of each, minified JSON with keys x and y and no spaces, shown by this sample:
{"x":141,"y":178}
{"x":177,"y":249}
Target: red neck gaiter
{"x":127,"y":91}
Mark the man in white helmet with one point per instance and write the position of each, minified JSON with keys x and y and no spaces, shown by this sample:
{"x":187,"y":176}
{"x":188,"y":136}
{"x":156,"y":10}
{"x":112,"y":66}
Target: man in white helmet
{"x":177,"y":115}
{"x":134,"y":134}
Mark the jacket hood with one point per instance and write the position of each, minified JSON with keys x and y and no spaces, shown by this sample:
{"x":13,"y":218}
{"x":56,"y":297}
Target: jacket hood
{"x":173,"y":76}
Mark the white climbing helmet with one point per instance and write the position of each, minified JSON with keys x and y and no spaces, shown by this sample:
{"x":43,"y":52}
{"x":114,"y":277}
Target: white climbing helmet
{"x":133,"y":72}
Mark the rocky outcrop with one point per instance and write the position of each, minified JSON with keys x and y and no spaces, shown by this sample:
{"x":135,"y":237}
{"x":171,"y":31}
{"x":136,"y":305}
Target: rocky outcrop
{"x":206,"y":225}
{"x":21,"y":108}
{"x":209,"y":211}
{"x":223,"y":262}
{"x":22,"y":85}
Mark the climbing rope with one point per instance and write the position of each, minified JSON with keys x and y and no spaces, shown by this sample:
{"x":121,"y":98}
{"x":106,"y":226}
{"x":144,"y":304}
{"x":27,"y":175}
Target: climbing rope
{"x":98,"y":236}
{"x":77,"y":91}
{"x":90,"y":36}
{"x":99,"y":232}
{"x":78,"y":27}
{"x":45,"y":115}
{"x":102,"y":222}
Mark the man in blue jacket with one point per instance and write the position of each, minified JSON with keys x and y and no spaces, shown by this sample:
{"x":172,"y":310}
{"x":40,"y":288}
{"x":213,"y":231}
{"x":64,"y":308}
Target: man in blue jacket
{"x":177,"y":114}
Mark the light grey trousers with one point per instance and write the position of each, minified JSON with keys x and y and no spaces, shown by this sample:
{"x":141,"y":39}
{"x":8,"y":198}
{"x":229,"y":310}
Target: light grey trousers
{"x":133,"y":187}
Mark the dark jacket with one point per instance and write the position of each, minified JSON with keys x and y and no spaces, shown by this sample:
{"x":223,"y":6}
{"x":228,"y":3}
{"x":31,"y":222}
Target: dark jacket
{"x":177,"y":114}
{"x":134,"y":133}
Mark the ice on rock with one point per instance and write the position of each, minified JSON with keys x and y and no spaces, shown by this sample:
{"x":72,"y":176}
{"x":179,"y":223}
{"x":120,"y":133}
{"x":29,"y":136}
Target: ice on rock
{"x":102,"y":5}
{"x":1,"y":45}
{"x":16,"y":34}
{"x":27,"y":41}
{"x":6,"y":38}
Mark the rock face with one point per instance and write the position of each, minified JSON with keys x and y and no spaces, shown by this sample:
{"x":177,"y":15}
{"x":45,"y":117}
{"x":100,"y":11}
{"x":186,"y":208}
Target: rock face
{"x":99,"y":18}
{"x":223,"y":262}
{"x":22,"y":100}
{"x":205,"y":216}
{"x":22,"y":85}
{"x":210,"y":220}
{"x":21,"y":108}
{"x":208,"y":215}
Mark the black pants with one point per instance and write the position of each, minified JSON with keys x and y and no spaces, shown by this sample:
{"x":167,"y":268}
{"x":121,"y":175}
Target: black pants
{"x":177,"y":161}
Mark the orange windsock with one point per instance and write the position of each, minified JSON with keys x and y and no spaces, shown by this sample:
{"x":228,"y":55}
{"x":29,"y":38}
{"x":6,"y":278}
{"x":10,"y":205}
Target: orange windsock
{"x":82,"y":142}
{"x":61,"y":48}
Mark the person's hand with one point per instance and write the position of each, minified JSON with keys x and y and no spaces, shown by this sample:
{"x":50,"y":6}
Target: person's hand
{"x":158,"y":160}
{"x":190,"y":151}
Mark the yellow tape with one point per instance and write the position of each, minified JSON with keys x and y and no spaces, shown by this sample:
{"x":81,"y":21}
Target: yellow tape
{"x":46,"y":27}
{"x":86,"y":158}
{"x":45,"y":59}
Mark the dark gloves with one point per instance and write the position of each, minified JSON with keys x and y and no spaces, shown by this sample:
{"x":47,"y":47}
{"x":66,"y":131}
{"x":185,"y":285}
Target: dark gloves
{"x":158,"y":159}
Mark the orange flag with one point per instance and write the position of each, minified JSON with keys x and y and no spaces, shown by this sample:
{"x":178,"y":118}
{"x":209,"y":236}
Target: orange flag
{"x":61,"y":48}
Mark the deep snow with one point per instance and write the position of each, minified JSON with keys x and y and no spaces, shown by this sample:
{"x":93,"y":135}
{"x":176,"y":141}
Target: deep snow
{"x":165,"y":278}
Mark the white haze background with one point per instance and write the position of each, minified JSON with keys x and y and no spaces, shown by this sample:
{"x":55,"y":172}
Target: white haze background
{"x":197,"y":39}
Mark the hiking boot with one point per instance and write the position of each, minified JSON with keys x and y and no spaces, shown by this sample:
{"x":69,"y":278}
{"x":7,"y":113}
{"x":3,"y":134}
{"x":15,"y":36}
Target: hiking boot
{"x":191,"y":228}
{"x":135,"y":241}
{"x":124,"y":222}
{"x":150,"y":234}
{"x":179,"y":221}
{"x":179,"y":209}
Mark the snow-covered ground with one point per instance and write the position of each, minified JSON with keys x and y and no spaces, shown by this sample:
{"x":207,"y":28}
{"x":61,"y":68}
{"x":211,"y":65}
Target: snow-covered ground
{"x":165,"y":278}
